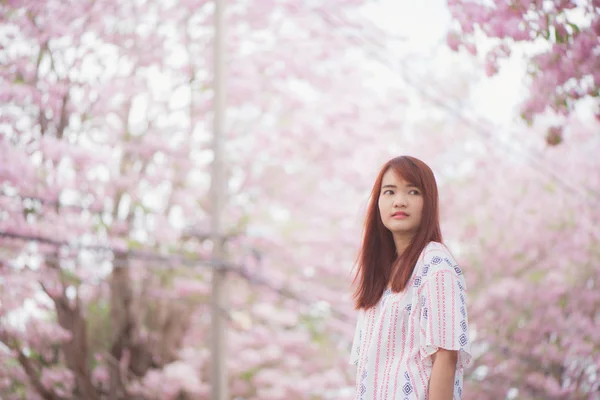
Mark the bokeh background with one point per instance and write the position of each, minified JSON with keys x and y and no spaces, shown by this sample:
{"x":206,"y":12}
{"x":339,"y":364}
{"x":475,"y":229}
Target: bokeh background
{"x":106,"y":256}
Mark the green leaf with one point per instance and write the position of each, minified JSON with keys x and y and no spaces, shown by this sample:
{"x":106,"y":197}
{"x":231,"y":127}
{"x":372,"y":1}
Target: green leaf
{"x":576,"y":29}
{"x":248,"y":375}
{"x":70,"y":277}
{"x":536,"y":276}
{"x":133,"y":244}
{"x":550,"y":187}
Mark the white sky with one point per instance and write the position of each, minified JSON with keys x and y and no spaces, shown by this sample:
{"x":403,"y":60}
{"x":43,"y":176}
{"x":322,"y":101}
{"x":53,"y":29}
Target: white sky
{"x":423,"y":21}
{"x":424,"y":24}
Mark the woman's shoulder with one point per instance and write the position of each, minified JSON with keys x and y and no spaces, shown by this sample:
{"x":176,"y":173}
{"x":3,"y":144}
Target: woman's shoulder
{"x":433,"y":249}
{"x":437,"y":257}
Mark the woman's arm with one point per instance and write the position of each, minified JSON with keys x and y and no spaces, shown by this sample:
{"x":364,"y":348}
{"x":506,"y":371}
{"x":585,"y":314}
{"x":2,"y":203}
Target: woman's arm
{"x":441,"y":383}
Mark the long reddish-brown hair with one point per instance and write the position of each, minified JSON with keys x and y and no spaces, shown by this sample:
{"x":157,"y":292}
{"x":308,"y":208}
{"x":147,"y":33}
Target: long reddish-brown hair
{"x":378,"y":264}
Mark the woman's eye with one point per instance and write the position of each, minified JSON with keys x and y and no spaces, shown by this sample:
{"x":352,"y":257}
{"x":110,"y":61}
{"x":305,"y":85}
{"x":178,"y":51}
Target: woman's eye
{"x":388,"y":191}
{"x":414,"y":192}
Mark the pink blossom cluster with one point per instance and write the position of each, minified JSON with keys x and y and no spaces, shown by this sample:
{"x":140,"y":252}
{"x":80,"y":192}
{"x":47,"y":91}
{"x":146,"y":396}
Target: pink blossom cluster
{"x":84,"y":163}
{"x":565,"y":57}
{"x":533,"y":273}
{"x":306,"y":133}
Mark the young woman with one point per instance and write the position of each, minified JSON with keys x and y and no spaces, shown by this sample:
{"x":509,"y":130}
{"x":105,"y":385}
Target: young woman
{"x":411,"y":339}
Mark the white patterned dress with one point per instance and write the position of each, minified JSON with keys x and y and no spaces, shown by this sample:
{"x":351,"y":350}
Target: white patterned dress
{"x":394,"y":340}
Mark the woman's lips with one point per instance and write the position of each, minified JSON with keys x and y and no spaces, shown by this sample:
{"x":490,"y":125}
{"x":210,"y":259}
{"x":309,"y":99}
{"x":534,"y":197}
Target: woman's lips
{"x":399,"y":215}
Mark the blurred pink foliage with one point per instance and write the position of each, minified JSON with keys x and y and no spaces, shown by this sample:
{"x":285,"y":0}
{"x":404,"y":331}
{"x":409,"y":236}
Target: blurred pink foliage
{"x":564,"y":62}
{"x":106,"y":109}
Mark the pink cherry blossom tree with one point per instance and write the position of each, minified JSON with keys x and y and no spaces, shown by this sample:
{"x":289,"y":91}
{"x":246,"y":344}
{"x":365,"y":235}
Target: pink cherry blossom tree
{"x":527,"y":241}
{"x":106,"y":117}
{"x":521,"y":220}
{"x":106,"y":127}
{"x":561,"y":41}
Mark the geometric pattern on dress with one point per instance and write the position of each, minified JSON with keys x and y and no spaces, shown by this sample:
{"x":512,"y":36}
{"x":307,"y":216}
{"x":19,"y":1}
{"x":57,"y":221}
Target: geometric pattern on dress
{"x":363,"y":387}
{"x":418,"y":305}
{"x":417,"y":281}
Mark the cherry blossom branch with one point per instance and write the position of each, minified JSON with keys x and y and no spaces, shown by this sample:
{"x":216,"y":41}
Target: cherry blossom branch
{"x":31,"y":370}
{"x":76,"y":350}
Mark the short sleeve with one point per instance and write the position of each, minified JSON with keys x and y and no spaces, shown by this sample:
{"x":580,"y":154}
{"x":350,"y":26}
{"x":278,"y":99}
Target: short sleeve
{"x":443,"y":318}
{"x":356,"y":342}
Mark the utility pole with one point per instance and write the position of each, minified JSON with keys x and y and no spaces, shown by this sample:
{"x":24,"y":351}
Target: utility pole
{"x":218,"y":186}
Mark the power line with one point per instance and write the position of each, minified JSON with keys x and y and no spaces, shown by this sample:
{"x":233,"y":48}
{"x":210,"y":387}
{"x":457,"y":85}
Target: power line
{"x":475,"y":126}
{"x":130,"y":254}
{"x":539,"y":165}
{"x":115,"y":262}
{"x":53,"y":203}
{"x":188,"y":232}
{"x":169,"y":260}
{"x":287,"y":293}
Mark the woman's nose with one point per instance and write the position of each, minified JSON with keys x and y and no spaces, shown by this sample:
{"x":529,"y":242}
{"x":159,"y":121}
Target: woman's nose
{"x":400,"y":201}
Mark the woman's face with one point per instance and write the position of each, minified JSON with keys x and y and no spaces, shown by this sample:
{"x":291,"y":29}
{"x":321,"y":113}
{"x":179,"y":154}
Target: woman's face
{"x":400,"y":205}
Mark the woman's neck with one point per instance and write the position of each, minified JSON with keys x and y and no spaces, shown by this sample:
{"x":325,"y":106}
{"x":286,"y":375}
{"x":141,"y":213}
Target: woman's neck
{"x":401,"y":243}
